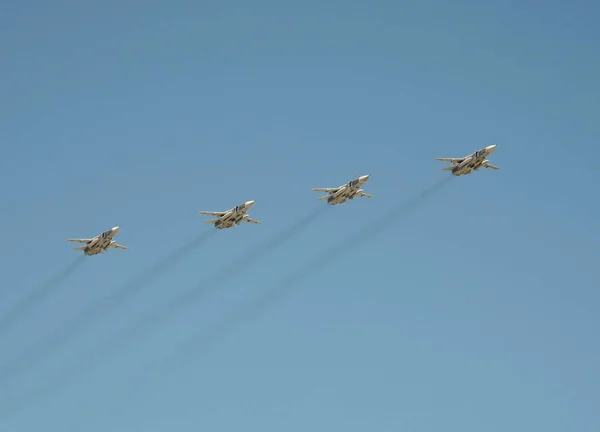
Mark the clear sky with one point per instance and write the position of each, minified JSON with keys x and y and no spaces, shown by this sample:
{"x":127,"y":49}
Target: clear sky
{"x":477,"y":310}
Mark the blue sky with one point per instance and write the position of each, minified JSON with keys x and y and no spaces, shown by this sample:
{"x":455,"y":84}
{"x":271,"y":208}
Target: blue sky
{"x":476,"y":310}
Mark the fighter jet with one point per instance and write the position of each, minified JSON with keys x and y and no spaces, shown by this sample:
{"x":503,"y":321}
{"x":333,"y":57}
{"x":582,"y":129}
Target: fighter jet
{"x":231,"y":217}
{"x":474,"y":161}
{"x":100,"y":243}
{"x":348,"y":191}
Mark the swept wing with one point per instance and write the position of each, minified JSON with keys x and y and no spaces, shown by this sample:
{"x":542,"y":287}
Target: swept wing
{"x":326,"y":190}
{"x":209,"y":213}
{"x":451,"y":160}
{"x":80,"y":240}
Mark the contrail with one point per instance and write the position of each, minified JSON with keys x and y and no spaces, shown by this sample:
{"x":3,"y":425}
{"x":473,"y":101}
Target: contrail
{"x":234,"y":268}
{"x":37,"y":353}
{"x":159,"y":316}
{"x":286,"y":284}
{"x":24,"y":305}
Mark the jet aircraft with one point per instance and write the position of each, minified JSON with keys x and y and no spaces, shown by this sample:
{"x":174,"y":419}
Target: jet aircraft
{"x":231,"y":217}
{"x":343,"y":193}
{"x":474,"y":161}
{"x":100,"y":243}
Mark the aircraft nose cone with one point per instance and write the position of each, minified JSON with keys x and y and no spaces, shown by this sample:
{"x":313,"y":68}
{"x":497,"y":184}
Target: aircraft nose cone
{"x":491,"y":148}
{"x":115,"y":229}
{"x":364,"y":178}
{"x":250,"y":203}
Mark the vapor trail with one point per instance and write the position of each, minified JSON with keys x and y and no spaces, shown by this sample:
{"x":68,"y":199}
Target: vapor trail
{"x":36,"y":353}
{"x":231,"y":270}
{"x":287,"y":283}
{"x":154,"y":319}
{"x":25,"y":304}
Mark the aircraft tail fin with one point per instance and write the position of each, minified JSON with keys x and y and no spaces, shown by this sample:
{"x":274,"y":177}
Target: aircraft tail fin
{"x":323,"y":197}
{"x":448,"y":168}
{"x":80,"y":248}
{"x":212,"y":221}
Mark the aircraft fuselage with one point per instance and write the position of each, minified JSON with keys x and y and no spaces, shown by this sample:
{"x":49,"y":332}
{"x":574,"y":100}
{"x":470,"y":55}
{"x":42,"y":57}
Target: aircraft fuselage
{"x":234,"y":216}
{"x":101,"y":243}
{"x":348,"y":191}
{"x":473,"y":161}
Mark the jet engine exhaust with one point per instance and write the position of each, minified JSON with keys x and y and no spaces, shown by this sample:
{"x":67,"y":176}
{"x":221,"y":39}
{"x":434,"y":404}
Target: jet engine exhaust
{"x":37,"y":353}
{"x":25,"y":304}
{"x":154,"y":319}
{"x":287,"y":283}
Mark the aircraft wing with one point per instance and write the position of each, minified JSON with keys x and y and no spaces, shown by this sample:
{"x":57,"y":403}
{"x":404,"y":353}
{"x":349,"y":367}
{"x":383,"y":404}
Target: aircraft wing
{"x":451,"y":160}
{"x":253,"y":221}
{"x":80,"y":240}
{"x":118,"y":246}
{"x":212,"y":213}
{"x":366,"y":195}
{"x":327,"y":190}
{"x":494,"y":167}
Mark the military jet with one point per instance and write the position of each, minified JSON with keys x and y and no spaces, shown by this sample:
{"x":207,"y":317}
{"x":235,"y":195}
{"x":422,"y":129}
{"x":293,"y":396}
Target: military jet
{"x":231,"y":217}
{"x":348,"y":191}
{"x":474,"y":161}
{"x":100,"y":243}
